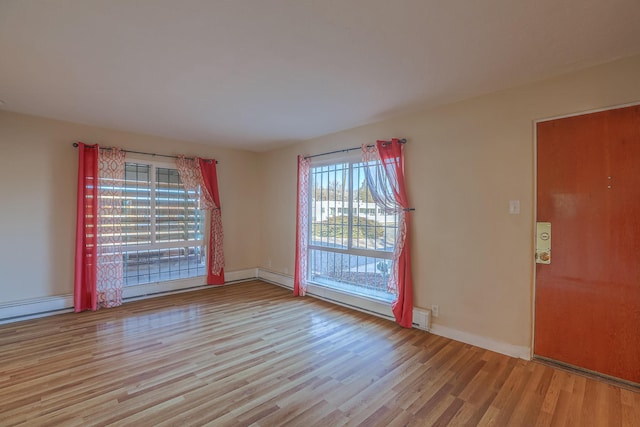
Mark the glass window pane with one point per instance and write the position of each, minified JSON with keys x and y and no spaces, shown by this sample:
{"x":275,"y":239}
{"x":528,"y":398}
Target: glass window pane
{"x":345,"y":219}
{"x":177,"y":215}
{"x":172,"y":248}
{"x":329,"y":206}
{"x":360,"y":275}
{"x":372,"y":228}
{"x":136,"y":209}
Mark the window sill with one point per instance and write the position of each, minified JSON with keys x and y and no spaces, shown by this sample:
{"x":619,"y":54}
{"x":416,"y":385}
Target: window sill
{"x":356,"y":301}
{"x":136,"y":291}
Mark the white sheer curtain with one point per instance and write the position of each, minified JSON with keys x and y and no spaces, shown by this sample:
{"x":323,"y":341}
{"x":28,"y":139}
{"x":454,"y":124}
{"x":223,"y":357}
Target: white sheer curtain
{"x":109,"y":274}
{"x":384,"y":171}
{"x":380,"y":186}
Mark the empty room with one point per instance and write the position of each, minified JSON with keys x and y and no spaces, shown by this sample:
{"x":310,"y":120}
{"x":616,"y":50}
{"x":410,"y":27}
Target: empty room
{"x":319,"y":213}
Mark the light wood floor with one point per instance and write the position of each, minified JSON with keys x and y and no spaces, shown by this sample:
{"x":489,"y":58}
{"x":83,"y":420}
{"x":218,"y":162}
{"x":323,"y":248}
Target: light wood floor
{"x":251,"y":354}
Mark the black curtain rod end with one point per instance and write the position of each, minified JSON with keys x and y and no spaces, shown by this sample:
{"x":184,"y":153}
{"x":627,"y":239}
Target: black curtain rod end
{"x":75,"y":144}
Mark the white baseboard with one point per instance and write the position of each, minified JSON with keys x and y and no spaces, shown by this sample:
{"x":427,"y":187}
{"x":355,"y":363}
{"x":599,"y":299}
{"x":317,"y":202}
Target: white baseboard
{"x":521,"y":352}
{"x":240,"y":275}
{"x":183,"y":285}
{"x":361,"y":304}
{"x":35,"y":307}
{"x":421,"y":317}
{"x":275,"y":278}
{"x":47,"y":306}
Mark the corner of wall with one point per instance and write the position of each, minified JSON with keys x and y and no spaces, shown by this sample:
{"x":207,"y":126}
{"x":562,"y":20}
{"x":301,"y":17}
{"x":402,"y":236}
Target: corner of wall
{"x":520,"y":352}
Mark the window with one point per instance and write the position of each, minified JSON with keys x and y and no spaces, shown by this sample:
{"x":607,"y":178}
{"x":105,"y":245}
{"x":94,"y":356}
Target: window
{"x":351,"y":251}
{"x":162,"y":226}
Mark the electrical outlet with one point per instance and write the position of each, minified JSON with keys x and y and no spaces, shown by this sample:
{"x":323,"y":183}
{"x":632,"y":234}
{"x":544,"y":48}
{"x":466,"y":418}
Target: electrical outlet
{"x":269,"y":263}
{"x":435,"y":310}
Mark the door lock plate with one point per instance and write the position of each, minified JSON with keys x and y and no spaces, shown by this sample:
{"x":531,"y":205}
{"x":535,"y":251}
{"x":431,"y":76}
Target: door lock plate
{"x":543,"y":243}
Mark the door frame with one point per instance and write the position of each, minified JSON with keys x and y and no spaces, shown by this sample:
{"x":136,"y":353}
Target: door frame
{"x":535,"y":208}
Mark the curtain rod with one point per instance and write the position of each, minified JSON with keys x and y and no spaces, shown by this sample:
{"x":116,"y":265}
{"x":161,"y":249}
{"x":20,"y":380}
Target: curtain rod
{"x":75,"y":144}
{"x":401,"y":141}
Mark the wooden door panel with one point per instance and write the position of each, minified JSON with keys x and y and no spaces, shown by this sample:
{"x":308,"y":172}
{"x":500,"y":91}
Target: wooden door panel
{"x":588,"y":298}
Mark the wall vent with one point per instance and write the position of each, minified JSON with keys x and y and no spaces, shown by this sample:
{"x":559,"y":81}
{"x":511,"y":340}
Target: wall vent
{"x":421,"y":319}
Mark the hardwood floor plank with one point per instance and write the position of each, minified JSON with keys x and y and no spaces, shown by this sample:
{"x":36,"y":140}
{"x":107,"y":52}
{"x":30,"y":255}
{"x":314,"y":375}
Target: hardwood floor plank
{"x":630,"y":400}
{"x":251,"y":354}
{"x":532,"y":396}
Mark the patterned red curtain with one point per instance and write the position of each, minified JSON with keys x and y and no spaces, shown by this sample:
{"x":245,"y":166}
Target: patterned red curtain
{"x":86,"y":229}
{"x":201,"y":173}
{"x":215,"y":255}
{"x":110,"y":268}
{"x":302,"y":227}
{"x":98,"y":278}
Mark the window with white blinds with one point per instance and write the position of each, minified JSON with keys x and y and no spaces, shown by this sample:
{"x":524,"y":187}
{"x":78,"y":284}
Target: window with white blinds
{"x":162,"y":226}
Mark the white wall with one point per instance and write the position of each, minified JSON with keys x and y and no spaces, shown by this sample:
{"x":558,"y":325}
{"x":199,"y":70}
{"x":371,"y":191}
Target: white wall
{"x":464,"y":162}
{"x":38,"y":170}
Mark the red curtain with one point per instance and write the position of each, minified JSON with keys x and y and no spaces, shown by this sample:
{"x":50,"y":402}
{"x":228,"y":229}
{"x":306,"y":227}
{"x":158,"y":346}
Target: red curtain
{"x":86,"y":229}
{"x":215,"y":255}
{"x":392,"y":158}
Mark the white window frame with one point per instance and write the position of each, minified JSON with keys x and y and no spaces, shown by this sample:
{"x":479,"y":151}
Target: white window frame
{"x":154,"y":245}
{"x":355,"y":300}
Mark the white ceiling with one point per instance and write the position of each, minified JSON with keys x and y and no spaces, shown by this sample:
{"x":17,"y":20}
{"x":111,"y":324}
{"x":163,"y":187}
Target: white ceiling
{"x":256,"y":74}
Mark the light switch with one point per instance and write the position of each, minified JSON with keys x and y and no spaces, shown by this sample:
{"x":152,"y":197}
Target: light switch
{"x":514,"y":207}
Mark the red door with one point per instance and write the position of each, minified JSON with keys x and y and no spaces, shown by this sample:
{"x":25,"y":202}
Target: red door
{"x":587,"y":309}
